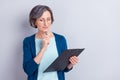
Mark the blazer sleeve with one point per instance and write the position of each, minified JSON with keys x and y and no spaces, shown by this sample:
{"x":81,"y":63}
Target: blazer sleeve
{"x":29,"y":65}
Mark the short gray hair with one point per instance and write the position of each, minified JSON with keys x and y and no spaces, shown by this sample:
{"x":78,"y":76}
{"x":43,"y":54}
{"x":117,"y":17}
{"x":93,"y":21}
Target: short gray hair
{"x":37,"y":12}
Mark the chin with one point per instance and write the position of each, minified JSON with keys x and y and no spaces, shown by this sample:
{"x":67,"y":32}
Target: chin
{"x":44,"y":30}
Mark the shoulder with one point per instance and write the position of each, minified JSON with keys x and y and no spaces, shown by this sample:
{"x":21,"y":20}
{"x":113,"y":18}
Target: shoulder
{"x":61,"y":42}
{"x":29,"y":38}
{"x":59,"y":36}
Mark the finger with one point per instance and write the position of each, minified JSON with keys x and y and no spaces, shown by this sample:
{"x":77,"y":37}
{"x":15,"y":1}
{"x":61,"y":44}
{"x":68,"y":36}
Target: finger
{"x":74,"y":60}
{"x":71,"y":61}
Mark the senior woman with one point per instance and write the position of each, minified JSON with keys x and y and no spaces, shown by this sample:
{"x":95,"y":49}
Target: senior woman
{"x":43,"y":47}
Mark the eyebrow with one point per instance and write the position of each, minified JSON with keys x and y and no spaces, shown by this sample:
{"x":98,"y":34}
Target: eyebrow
{"x":44,"y":18}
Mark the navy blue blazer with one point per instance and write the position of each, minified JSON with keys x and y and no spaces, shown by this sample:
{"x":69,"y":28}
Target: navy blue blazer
{"x":29,"y":52}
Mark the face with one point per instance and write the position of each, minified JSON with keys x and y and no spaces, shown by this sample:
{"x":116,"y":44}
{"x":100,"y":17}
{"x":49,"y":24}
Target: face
{"x":44,"y":22}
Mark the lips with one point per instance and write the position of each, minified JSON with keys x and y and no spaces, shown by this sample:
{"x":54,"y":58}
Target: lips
{"x":45,"y":27}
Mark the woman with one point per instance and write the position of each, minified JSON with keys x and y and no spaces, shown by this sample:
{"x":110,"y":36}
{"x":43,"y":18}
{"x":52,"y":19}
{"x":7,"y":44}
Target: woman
{"x":42,"y":48}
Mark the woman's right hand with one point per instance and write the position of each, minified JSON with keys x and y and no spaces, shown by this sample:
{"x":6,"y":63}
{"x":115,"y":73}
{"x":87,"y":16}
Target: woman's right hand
{"x":45,"y":42}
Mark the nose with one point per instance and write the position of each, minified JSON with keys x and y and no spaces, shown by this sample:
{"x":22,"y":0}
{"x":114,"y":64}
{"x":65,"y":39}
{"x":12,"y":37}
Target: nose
{"x":45,"y":23}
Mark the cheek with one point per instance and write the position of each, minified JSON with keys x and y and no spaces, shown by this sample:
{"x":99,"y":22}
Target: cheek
{"x":50,"y":23}
{"x":38,"y":25}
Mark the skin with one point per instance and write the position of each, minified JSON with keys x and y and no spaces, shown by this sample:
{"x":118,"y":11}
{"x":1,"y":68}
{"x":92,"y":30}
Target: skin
{"x":43,"y":25}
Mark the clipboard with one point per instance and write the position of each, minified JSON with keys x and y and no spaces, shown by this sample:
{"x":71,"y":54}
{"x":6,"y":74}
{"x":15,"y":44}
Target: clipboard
{"x":62,"y":61}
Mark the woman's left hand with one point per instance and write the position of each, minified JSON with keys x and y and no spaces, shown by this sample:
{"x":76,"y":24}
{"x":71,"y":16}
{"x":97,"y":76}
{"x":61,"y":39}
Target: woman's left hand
{"x":73,"y":60}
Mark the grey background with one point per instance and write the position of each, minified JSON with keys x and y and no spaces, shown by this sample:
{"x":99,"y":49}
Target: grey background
{"x":90,"y":24}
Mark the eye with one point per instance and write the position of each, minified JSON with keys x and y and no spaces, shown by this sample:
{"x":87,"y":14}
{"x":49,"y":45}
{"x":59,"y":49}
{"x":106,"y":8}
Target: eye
{"x":48,"y":19}
{"x":41,"y":20}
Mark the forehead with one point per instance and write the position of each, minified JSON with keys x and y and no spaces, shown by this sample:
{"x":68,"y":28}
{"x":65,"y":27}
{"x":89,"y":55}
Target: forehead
{"x":46,"y":14}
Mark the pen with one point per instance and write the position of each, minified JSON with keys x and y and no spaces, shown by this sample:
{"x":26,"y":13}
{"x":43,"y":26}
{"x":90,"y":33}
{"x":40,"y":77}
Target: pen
{"x":46,"y":33}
